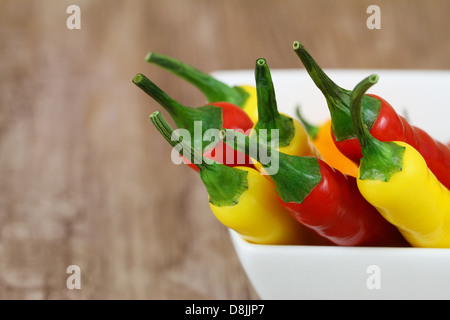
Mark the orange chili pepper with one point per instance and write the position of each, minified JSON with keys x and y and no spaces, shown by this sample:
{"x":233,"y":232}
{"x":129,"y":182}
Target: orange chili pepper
{"x":323,"y":141}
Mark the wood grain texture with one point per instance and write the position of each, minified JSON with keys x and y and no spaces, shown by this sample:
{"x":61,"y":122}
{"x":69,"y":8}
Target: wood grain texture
{"x":85,"y":179}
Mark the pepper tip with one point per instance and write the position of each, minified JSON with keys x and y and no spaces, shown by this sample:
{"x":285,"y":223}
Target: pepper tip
{"x":155,"y":114}
{"x":373,"y":78}
{"x":297,"y":45}
{"x":138,"y":78}
{"x":261,"y":61}
{"x":148,"y":57}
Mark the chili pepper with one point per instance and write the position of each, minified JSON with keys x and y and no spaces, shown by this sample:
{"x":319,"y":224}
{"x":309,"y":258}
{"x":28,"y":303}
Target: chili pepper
{"x":323,"y":141}
{"x":241,"y":198}
{"x":322,"y":198}
{"x":197,"y":121}
{"x":243,"y":96}
{"x":291,"y":137}
{"x":394,"y":177}
{"x":379,"y":117}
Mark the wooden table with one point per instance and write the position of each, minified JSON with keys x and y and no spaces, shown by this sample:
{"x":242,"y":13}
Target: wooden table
{"x":86,"y":180}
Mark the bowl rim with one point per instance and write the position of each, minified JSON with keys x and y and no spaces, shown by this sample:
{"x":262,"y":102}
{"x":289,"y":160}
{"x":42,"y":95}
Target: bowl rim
{"x":243,"y":244}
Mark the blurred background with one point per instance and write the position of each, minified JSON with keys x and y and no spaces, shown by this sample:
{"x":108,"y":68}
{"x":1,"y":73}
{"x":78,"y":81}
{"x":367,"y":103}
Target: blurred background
{"x":85,"y":178}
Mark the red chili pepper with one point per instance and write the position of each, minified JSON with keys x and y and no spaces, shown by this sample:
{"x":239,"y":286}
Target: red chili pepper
{"x":233,"y":118}
{"x":323,"y":199}
{"x":380,"y":118}
{"x":215,"y":115}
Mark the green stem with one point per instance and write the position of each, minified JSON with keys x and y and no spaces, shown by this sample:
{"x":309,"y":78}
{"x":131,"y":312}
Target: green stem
{"x":311,"y":129}
{"x":380,"y":159}
{"x":175,"y":140}
{"x":268,"y":116}
{"x":338,"y":99}
{"x":169,"y":104}
{"x":225,"y":185}
{"x":213,"y":89}
{"x":195,"y":120}
{"x":294,"y":177}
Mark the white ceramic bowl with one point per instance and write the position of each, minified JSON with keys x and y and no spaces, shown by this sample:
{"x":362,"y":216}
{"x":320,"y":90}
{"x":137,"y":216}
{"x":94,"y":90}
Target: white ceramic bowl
{"x":331,"y":272}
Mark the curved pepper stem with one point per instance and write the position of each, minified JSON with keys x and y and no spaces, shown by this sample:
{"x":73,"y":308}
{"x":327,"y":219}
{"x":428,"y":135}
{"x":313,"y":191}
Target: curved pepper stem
{"x":171,"y":106}
{"x":380,"y":159}
{"x":310,"y":128}
{"x":268,"y":116}
{"x":196,"y":120}
{"x":213,"y":89}
{"x":175,"y":140}
{"x":338,"y":99}
{"x":225,"y":185}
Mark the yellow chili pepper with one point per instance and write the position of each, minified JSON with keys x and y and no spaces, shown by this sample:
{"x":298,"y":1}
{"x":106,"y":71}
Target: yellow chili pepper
{"x":243,"y":96}
{"x":241,"y":198}
{"x":395,"y":179}
{"x":259,"y":217}
{"x":250,"y":105}
{"x":323,"y":141}
{"x":291,"y":137}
